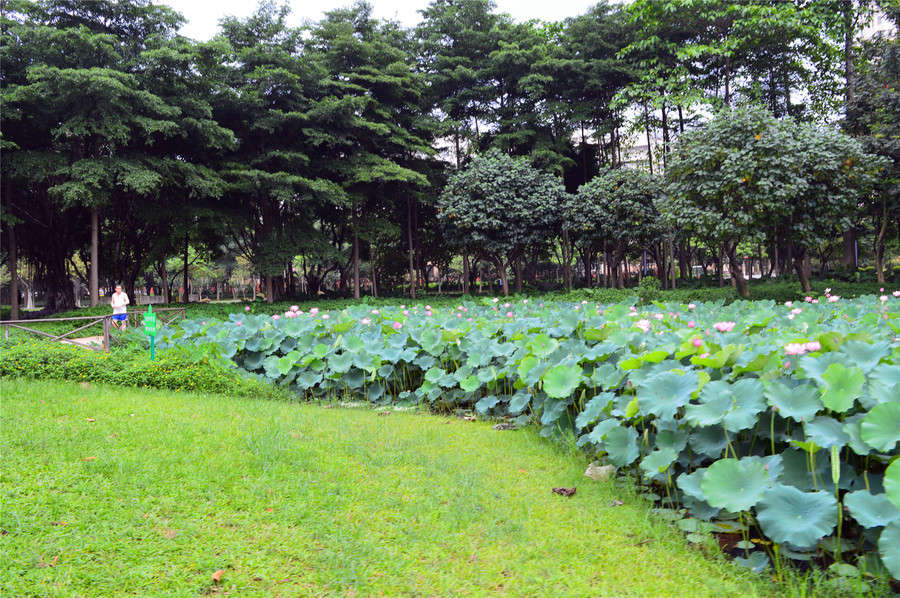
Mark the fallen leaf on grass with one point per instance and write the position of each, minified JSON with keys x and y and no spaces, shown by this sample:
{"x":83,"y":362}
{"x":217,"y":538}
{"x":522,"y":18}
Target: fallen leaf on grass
{"x":89,"y":458}
{"x":521,"y":471}
{"x":85,"y":385}
{"x":217,"y":576}
{"x":385,"y":413}
{"x":269,"y":510}
{"x":565,"y":491}
{"x":59,"y":523}
{"x":505,"y":426}
{"x":327,"y":406}
{"x":52,"y":563}
{"x":468,"y":418}
{"x":616,"y":503}
{"x":91,"y":419}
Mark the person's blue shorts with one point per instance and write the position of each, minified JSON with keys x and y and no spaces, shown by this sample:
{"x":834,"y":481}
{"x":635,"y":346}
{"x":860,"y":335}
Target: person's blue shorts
{"x":120,"y":317}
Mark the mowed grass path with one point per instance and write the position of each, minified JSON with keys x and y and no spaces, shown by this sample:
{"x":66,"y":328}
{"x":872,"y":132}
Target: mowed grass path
{"x":111,"y":492}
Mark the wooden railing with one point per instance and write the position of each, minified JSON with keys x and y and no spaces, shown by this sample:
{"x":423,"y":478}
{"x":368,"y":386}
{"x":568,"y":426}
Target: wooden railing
{"x":166,"y":316}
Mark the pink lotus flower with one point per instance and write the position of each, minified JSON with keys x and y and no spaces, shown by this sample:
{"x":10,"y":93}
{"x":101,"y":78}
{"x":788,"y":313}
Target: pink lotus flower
{"x":509,"y":314}
{"x":374,"y":311}
{"x":459,"y":315}
{"x":247,"y":308}
{"x":795,"y":348}
{"x":405,"y":312}
{"x":239,"y":323}
{"x":584,"y":302}
{"x":697,"y":342}
{"x":295,"y":308}
{"x":460,"y":308}
{"x":428,"y":307}
{"x":506,"y":305}
{"x":495,"y":300}
{"x":658,"y":316}
{"x":791,"y":316}
{"x":691,"y":306}
{"x":691,"y":324}
{"x":828,"y":290}
{"x":834,"y":298}
{"x":883,"y":298}
{"x":275,"y":317}
{"x":402,"y":307}
{"x":813,"y":346}
{"x":203,"y":323}
{"x":896,"y":293}
{"x":470,"y":319}
{"x":808,"y":299}
{"x":815,"y":301}
{"x":397,"y":325}
{"x":325,"y":316}
{"x":428,"y":314}
{"x":703,"y":355}
{"x":365,"y":321}
{"x":525,"y":301}
{"x":788,"y":303}
{"x":724,"y":326}
{"x":796,"y":311}
{"x":314,"y":311}
{"x":465,"y":310}
{"x":643,"y":325}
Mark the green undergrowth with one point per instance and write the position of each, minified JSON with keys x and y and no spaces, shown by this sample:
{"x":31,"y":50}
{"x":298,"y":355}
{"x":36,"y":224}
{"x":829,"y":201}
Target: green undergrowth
{"x":172,"y":369}
{"x":148,"y":492}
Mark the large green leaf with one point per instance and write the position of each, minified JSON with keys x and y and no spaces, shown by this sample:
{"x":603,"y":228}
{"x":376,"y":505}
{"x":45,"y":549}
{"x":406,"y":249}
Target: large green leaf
{"x":658,"y":461}
{"x":664,"y":393}
{"x":881,"y":427}
{"x":593,"y":408}
{"x":889,"y":548}
{"x":561,"y":381}
{"x":884,"y":384}
{"x":865,"y":355}
{"x":734,"y":485}
{"x":542,"y":345}
{"x":892,"y":483}
{"x":842,"y":387}
{"x":801,"y":519}
{"x":826,"y":432}
{"x":621,"y":446}
{"x":800,"y":403}
{"x":871,"y":510}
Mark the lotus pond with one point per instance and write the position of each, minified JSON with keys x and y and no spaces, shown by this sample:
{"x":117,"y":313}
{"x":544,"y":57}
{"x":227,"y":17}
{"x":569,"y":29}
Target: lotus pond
{"x":776,"y":423}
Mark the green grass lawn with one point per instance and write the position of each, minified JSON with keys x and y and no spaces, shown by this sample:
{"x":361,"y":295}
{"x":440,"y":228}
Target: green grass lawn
{"x":110,"y":492}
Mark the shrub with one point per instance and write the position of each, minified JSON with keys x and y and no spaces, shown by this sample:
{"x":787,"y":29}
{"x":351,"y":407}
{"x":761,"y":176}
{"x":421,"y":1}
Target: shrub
{"x":173,"y":369}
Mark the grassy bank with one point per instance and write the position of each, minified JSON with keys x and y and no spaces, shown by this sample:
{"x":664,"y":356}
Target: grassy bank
{"x":111,"y":492}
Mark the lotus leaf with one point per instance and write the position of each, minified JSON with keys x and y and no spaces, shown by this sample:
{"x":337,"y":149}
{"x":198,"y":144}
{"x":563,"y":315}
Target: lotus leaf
{"x":553,"y":410}
{"x":889,"y":548}
{"x":690,"y":483}
{"x":486,"y":403}
{"x":601,"y":429}
{"x":800,"y":403}
{"x":884,"y":385}
{"x":709,"y":440}
{"x":757,"y":561}
{"x":658,"y":461}
{"x":621,"y":446}
{"x":826,"y":432}
{"x":871,"y":510}
{"x":561,"y":381}
{"x":865,"y":355}
{"x":593,"y":408}
{"x":892,"y":483}
{"x":842,"y":387}
{"x":880,"y":428}
{"x":664,"y":393}
{"x":734,"y":485}
{"x":801,"y":519}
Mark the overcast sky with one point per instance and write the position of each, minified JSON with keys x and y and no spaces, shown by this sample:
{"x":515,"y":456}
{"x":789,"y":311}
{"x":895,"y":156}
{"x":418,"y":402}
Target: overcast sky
{"x":203,"y":15}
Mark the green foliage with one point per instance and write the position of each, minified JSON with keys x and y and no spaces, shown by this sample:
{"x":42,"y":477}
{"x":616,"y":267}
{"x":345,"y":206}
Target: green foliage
{"x":497,"y":206}
{"x":648,"y":290}
{"x":703,"y":397}
{"x":173,"y":369}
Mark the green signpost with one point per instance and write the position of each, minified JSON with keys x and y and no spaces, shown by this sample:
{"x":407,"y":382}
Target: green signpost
{"x":150,"y":329}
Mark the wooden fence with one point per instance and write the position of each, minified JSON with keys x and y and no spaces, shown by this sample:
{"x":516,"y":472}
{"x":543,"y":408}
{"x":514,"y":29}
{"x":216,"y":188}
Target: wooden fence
{"x":166,"y":316}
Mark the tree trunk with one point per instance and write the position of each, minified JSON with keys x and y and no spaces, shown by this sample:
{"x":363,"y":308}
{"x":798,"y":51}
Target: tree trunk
{"x":13,"y":271}
{"x":95,"y":258}
{"x":164,"y":276}
{"x":720,"y":266}
{"x":465,"y":278}
{"x":879,"y":242}
{"x":409,"y":235}
{"x":187,"y":292}
{"x":519,"y":274}
{"x":270,"y":289}
{"x":800,"y":267}
{"x":355,"y":263}
{"x":737,"y":272}
{"x":672,"y":259}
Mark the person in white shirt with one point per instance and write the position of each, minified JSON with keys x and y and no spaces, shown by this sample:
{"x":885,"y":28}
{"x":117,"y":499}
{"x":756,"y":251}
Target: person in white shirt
{"x":120,"y":313}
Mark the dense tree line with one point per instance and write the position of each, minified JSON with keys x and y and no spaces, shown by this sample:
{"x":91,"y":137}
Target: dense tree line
{"x":353,"y":148}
